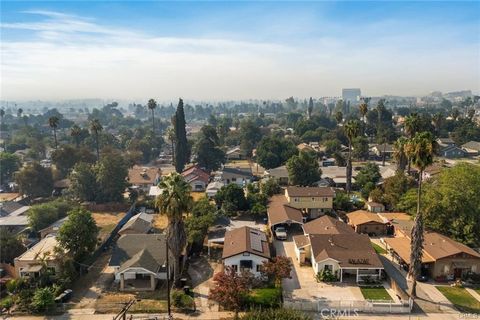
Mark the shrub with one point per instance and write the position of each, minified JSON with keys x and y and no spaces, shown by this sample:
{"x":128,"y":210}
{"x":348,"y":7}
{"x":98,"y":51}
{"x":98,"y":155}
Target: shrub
{"x":182,"y":300}
{"x":6,"y":303}
{"x":275,"y":314}
{"x":326,"y":276}
{"x":43,"y":300}
{"x":264,"y":298}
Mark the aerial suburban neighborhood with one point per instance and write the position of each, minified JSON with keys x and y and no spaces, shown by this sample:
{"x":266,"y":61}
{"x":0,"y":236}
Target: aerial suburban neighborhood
{"x":265,"y":191}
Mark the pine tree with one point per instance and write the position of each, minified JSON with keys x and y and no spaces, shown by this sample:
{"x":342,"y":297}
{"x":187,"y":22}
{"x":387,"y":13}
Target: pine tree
{"x":181,"y":144}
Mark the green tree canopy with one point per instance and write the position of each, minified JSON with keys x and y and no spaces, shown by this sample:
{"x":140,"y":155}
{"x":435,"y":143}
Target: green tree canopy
{"x":232,"y":194}
{"x":9,"y":163}
{"x":67,"y":156}
{"x":208,"y":152}
{"x":274,"y":151}
{"x":35,"y":181}
{"x":42,"y":215}
{"x":303,"y":169}
{"x":111,"y":173}
{"x":10,"y":246}
{"x":367,"y":178}
{"x":78,"y":235}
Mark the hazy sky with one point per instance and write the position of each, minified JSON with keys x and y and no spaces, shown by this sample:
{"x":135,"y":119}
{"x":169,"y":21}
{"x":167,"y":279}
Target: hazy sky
{"x":236,"y":50}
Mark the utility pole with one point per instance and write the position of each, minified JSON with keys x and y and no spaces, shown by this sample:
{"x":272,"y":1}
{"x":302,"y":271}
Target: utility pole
{"x":123,"y":312}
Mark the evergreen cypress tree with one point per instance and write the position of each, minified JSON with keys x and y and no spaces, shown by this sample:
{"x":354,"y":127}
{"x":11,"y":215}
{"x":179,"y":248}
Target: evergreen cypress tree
{"x":181,"y":144}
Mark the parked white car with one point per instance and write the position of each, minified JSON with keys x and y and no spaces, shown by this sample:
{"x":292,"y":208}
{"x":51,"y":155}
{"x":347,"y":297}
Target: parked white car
{"x":281,"y":233}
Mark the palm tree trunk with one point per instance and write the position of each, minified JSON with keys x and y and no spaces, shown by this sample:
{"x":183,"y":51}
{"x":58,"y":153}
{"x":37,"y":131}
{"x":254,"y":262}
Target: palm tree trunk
{"x":349,"y":169}
{"x":96,"y":144}
{"x":55,"y":137}
{"x":417,"y":243}
{"x":153,"y":122}
{"x":383,"y":160}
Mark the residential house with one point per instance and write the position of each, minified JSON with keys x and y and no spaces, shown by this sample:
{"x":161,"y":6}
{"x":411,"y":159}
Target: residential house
{"x":345,"y":255}
{"x":154,"y":191}
{"x":234,"y":154}
{"x":380,"y":150}
{"x":246,"y":249}
{"x":143,"y":177}
{"x":138,"y":224}
{"x":280,"y":213}
{"x":305,"y":147}
{"x":367,"y":222}
{"x":472,"y":148}
{"x":213,"y":188}
{"x":197,"y":178}
{"x":443,"y":258}
{"x":7,"y":207}
{"x":313,"y":201}
{"x":53,"y":228}
{"x":452,"y":152}
{"x":327,"y":225}
{"x":432,"y":170}
{"x":399,"y":223}
{"x":279,"y":173}
{"x":445,"y":142}
{"x":375,"y":207}
{"x":240,"y":176}
{"x":17,"y":220}
{"x":139,"y":261}
{"x":337,"y":175}
{"x":34,"y":261}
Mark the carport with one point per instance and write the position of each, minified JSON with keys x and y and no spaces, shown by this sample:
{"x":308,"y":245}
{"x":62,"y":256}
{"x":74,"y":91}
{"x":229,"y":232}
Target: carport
{"x":280,"y":213}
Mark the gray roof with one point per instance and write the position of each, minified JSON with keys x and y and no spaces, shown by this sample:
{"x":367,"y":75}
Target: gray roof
{"x":474,"y":145}
{"x":129,"y":246}
{"x":278,"y":172}
{"x":141,"y":223}
{"x":142,"y":259}
{"x":237,"y":171}
{"x":8,"y":207}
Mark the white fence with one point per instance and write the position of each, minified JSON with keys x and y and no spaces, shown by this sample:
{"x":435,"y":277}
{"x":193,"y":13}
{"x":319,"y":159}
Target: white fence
{"x":349,"y":307}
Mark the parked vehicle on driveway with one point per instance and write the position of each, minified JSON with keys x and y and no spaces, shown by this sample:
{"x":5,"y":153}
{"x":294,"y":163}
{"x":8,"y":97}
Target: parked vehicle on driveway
{"x":281,"y":233}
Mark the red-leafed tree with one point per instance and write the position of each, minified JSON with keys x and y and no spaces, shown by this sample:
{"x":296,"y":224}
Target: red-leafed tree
{"x":277,"y":269}
{"x":230,"y":288}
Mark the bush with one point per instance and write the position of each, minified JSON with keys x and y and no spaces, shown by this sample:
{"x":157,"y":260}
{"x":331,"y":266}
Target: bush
{"x":326,"y":276}
{"x":182,"y":300}
{"x":275,"y":314}
{"x":6,"y":303}
{"x":43,"y":300}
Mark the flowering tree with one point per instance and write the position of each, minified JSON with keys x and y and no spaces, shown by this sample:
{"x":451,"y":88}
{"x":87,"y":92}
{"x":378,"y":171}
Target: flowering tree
{"x":278,"y":268}
{"x":230,"y":288}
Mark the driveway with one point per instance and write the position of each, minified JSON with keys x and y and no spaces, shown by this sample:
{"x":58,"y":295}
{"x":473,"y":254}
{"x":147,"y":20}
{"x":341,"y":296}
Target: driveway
{"x":303,"y":284}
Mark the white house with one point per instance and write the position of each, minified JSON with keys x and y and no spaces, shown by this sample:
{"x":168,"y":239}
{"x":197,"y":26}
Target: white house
{"x":246,"y":248}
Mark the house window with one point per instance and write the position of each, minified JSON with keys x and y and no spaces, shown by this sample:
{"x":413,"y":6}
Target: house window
{"x":313,"y":199}
{"x":446,"y":269}
{"x":246,"y":264}
{"x":234,"y":179}
{"x":235,"y":267}
{"x":328,"y":267}
{"x":259,"y":268}
{"x":295,"y":199}
{"x":325,"y":199}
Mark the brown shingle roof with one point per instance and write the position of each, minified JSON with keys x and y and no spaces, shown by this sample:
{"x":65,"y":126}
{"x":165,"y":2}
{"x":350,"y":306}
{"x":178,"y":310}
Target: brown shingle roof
{"x":301,"y":241}
{"x":327,"y":225}
{"x":310,"y":192}
{"x":279,"y":211}
{"x":196,"y":173}
{"x":361,"y":216}
{"x":435,"y":246}
{"x":350,"y":250}
{"x":239,"y":240}
{"x":143,"y":175}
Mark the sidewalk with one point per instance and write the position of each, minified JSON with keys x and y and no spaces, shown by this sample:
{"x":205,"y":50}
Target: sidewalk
{"x":473,"y":293}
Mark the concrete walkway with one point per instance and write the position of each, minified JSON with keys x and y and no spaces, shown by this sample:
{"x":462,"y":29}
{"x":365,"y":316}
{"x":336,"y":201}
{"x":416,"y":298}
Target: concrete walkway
{"x":474,"y":293}
{"x":201,"y":273}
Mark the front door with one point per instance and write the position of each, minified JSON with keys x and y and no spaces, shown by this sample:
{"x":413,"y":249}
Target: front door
{"x":457,"y":273}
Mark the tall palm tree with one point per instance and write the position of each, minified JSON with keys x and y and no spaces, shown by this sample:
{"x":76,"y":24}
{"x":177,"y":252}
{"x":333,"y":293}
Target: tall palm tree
{"x":352,"y":130}
{"x":438,"y":119}
{"x":152,"y":105}
{"x":420,"y":150}
{"x":75,"y":133}
{"x":339,"y":116}
{"x":96,"y":128}
{"x":455,"y":114}
{"x":399,"y":153}
{"x":174,"y":202}
{"x":53,"y":123}
{"x":412,"y":124}
{"x":363,"y":110}
{"x":171,"y":137}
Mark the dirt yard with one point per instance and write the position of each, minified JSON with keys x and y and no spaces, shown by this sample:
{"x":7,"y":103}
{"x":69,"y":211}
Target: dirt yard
{"x":107,"y":221}
{"x":150,"y":302}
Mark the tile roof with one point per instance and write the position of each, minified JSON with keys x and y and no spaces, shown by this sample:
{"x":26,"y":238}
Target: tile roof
{"x":245,"y":239}
{"x":350,"y":250}
{"x":310,"y":192}
{"x":327,"y":225}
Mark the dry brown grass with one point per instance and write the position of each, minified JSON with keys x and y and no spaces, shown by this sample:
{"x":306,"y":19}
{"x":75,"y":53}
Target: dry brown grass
{"x":113,"y":302}
{"x":107,"y":221}
{"x":160,"y":221}
{"x":197,"y":195}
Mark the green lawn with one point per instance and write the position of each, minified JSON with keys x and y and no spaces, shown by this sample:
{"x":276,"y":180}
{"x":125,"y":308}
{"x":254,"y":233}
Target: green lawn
{"x":378,"y":249}
{"x":375,"y":293}
{"x":265,"y":297}
{"x":461,"y":299}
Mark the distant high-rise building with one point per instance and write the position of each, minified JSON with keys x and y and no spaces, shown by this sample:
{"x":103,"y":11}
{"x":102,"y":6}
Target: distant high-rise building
{"x":351,"y":95}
